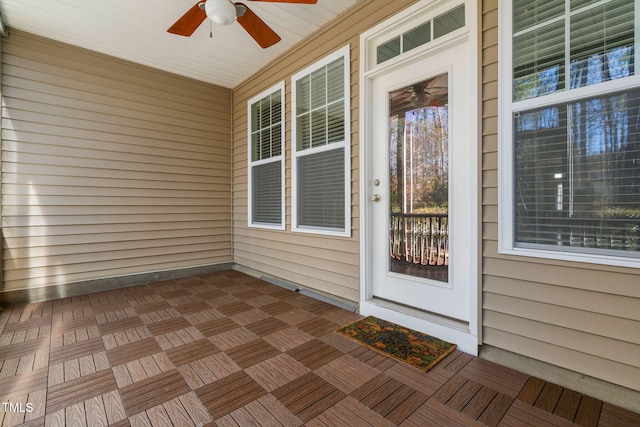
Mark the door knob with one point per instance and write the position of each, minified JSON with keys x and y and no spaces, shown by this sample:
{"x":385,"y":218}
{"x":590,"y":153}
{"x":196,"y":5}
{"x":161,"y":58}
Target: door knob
{"x":375,"y":198}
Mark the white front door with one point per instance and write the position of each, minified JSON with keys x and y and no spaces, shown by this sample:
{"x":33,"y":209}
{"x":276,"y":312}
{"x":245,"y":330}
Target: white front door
{"x":419,"y":110}
{"x":421,"y":212}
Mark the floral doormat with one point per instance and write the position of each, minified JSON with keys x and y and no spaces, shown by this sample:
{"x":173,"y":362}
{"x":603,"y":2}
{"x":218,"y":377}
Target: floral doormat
{"x":414,"y":348}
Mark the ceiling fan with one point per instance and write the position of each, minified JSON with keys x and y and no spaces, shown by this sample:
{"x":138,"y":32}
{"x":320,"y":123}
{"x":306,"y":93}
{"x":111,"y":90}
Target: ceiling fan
{"x":225,"y":12}
{"x":419,"y":95}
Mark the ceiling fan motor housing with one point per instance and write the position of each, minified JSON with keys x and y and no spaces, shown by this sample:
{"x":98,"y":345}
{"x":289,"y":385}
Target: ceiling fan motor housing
{"x":222,"y":12}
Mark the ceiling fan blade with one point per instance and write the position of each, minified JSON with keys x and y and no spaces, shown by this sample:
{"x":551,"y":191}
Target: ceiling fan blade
{"x":290,"y":1}
{"x":257,"y":28}
{"x":189,"y":22}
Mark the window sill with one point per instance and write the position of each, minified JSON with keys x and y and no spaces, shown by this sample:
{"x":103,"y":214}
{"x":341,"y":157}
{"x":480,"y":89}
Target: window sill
{"x":321,"y":231}
{"x":609,"y":260}
{"x":277,"y":227}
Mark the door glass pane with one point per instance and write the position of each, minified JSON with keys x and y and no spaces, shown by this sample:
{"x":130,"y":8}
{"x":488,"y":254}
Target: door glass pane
{"x":419,"y":179}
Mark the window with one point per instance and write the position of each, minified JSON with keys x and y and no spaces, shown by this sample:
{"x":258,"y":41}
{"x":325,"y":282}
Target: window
{"x":570,"y":144}
{"x":266,"y":159}
{"x":434,"y":28}
{"x":321,"y":147}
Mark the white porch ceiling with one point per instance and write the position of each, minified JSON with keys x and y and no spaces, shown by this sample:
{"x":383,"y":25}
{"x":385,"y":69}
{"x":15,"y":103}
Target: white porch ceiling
{"x":137,"y":31}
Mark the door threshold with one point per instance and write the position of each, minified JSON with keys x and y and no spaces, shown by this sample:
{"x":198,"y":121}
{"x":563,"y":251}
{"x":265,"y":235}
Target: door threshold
{"x":449,"y":322}
{"x":452,"y":330}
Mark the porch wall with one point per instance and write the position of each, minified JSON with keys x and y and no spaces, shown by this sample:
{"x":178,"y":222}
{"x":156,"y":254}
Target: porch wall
{"x":579,"y":316}
{"x":327,"y":264}
{"x":109,"y":168}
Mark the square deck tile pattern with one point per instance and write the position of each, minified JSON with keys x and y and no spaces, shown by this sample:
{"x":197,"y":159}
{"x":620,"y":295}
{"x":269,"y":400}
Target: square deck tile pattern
{"x":229,"y":349}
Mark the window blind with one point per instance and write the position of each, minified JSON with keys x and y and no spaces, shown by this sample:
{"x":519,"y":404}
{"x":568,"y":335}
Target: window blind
{"x":578,"y":175}
{"x":267,"y":193}
{"x":320,"y":179}
{"x":265,"y":160}
{"x":577,"y":164}
{"x":266,"y":127}
{"x":529,"y":13}
{"x":321,"y":190}
{"x":320,"y":106}
{"x":549,"y":56}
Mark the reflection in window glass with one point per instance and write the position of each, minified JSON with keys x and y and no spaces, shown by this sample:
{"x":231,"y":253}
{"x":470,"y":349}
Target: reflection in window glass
{"x":600,"y":47}
{"x":420,"y":35}
{"x":578,"y":174}
{"x":602,"y":40}
{"x":538,"y":62}
{"x":576,"y":185}
{"x":419,"y":179}
{"x":388,"y":50}
{"x":416,"y":37}
{"x":450,"y":21}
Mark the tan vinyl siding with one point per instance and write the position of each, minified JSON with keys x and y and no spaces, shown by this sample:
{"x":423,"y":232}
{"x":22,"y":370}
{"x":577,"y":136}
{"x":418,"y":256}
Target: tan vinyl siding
{"x":328,"y":264}
{"x":109,"y":168}
{"x":582,"y":317}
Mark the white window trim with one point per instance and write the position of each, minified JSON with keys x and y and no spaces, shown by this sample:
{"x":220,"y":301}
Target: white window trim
{"x":346,"y":144}
{"x":506,"y":153}
{"x":281,"y":158}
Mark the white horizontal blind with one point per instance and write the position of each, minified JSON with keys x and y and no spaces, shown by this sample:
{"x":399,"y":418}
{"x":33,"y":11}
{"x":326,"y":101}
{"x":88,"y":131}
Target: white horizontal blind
{"x":549,"y":56}
{"x":321,"y":187}
{"x":320,"y":106}
{"x":577,"y":164}
{"x":320,"y":147}
{"x":266,"y":127}
{"x":267,"y":193}
{"x":266,"y":161}
{"x":578,"y":174}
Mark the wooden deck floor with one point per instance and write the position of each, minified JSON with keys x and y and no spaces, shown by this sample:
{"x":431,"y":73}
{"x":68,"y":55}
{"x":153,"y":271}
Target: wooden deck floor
{"x":227,"y":349}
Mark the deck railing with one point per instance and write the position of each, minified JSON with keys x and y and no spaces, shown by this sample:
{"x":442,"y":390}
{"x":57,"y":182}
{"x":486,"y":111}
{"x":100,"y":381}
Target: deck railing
{"x":420,"y":238}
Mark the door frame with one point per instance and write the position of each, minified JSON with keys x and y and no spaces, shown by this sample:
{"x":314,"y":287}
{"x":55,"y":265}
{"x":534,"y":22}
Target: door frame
{"x":466,"y":335}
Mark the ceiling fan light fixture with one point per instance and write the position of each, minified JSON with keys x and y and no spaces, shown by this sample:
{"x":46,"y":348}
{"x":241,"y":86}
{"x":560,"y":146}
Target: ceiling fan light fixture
{"x":221,"y":12}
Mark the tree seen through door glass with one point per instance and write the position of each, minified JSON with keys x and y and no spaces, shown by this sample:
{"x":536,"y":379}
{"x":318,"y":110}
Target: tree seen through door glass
{"x":419,"y":178}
